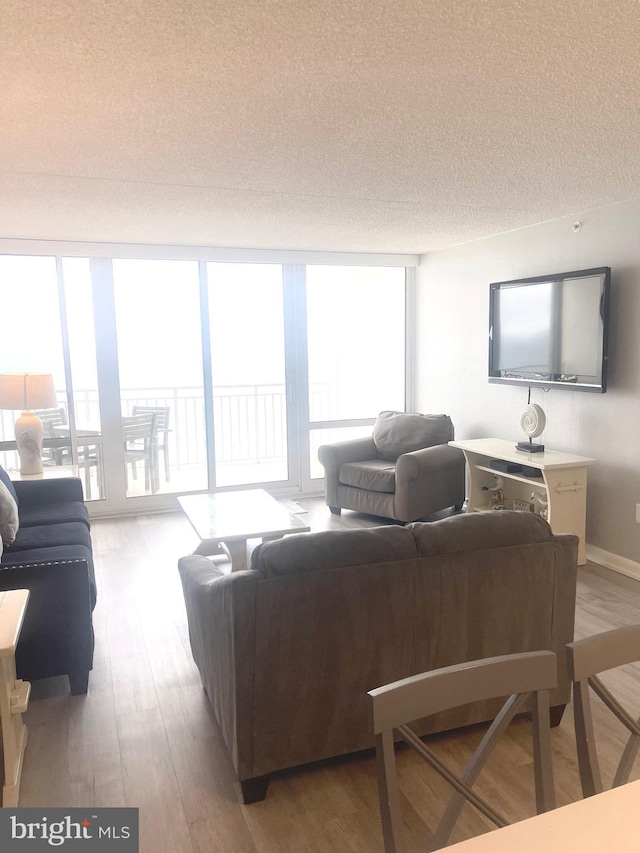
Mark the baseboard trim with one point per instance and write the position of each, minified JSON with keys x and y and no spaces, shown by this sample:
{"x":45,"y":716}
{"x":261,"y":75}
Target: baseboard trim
{"x":616,"y":563}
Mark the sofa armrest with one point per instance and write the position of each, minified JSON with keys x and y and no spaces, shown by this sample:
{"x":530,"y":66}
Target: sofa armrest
{"x":38,"y":492}
{"x":57,"y":634}
{"x":221,"y":616}
{"x":410,"y":466}
{"x":199,"y":570}
{"x":333,"y":456}
{"x":431,"y":477}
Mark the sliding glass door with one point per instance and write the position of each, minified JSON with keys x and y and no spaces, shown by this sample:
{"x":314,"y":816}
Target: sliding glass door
{"x":160,"y":376}
{"x":247,"y":340}
{"x":49,"y":328}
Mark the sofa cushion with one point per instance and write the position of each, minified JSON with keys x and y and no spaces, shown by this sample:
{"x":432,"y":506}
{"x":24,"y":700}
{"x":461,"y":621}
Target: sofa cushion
{"x":6,"y":479}
{"x":51,"y":535}
{"x":333,"y":549}
{"x":375,"y":475}
{"x":476,"y":531}
{"x":395,"y":433}
{"x":8,"y":516}
{"x":55,"y":513}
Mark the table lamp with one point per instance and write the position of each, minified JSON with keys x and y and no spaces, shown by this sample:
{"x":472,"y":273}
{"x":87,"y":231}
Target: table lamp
{"x":26,"y":391}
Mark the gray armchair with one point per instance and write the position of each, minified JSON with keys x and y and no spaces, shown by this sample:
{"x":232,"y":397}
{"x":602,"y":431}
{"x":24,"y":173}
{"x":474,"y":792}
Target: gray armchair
{"x":405,"y":471}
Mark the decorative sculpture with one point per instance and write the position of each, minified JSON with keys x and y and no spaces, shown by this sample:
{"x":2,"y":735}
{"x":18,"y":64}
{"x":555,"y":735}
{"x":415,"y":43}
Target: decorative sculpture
{"x":532,"y":422}
{"x":542,"y":504}
{"x":496,"y":493}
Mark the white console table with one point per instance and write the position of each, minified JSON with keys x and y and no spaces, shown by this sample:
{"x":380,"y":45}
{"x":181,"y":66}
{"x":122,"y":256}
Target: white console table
{"x":14,"y":694}
{"x":563,"y":482}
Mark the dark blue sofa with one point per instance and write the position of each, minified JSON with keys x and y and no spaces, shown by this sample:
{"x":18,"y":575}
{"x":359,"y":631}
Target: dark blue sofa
{"x":52,"y":558}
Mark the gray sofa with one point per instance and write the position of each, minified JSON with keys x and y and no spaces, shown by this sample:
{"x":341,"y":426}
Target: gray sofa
{"x":405,"y":471}
{"x":288,"y":649}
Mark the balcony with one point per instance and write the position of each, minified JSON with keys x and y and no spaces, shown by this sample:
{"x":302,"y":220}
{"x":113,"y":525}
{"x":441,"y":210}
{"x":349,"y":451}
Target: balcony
{"x":250,"y":435}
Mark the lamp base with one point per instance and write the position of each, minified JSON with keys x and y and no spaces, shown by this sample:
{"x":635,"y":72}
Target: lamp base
{"x":29,"y":442}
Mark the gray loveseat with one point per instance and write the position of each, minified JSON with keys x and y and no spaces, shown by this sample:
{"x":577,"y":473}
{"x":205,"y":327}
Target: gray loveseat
{"x":288,"y":649}
{"x":405,"y":471}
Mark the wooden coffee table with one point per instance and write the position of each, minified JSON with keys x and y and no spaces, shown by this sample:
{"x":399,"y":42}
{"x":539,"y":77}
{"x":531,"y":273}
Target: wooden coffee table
{"x":226,"y":520}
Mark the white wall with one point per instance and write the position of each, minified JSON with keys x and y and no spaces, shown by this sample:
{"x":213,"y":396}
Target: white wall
{"x":452,"y":327}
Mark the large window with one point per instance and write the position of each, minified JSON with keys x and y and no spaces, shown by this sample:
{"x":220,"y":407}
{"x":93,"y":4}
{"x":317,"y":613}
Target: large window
{"x":246,"y":315}
{"x":246,"y":367}
{"x":356,"y":351}
{"x":160,"y":375}
{"x":32,"y":340}
{"x":356,"y":341}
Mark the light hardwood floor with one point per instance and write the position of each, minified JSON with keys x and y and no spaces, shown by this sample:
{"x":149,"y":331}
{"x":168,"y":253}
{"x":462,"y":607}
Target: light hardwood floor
{"x":144,"y":735}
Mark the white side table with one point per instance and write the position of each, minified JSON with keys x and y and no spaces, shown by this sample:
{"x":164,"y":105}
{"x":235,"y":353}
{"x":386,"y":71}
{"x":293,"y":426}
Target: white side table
{"x":14,"y":693}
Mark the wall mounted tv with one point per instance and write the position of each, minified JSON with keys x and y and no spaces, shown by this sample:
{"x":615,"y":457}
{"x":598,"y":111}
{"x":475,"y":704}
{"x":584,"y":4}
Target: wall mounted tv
{"x":551,"y":330}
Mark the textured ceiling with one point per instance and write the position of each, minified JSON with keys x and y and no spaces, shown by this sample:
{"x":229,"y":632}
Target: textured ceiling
{"x":313,"y":124}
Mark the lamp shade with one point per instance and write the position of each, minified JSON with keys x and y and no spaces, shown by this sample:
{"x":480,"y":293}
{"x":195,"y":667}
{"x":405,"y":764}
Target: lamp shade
{"x":24,"y":391}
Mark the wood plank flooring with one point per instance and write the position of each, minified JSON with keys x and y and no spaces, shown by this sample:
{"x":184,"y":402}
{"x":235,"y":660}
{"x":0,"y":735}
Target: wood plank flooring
{"x":144,"y":735}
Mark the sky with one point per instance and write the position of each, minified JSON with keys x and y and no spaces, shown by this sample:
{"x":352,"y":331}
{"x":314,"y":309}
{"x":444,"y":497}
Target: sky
{"x":355,"y":320}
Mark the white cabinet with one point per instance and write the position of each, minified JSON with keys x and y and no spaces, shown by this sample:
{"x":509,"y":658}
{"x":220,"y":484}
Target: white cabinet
{"x":563,"y":482}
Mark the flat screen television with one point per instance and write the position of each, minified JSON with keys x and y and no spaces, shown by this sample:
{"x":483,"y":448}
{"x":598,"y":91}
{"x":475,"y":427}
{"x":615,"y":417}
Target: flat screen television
{"x":551,"y":330}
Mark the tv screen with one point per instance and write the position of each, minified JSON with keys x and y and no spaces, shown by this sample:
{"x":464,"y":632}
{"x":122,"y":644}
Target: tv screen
{"x":551,"y":330}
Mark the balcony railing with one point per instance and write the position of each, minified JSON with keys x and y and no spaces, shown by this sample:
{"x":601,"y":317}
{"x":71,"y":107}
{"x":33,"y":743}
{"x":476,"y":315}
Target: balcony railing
{"x":250,"y":423}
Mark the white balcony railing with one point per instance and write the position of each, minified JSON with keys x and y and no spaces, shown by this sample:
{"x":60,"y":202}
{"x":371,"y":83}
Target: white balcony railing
{"x":250,"y":423}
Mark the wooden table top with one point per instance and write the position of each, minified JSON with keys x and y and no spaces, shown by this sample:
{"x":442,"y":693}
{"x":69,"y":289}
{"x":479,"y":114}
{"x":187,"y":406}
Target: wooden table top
{"x":506,"y":450}
{"x":608,"y":821}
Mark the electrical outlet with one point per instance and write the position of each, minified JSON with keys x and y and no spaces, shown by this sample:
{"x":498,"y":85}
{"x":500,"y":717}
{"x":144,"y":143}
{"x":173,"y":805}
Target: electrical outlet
{"x":638,"y":513}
